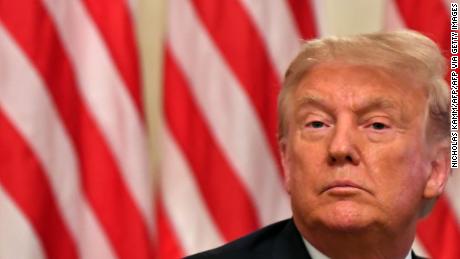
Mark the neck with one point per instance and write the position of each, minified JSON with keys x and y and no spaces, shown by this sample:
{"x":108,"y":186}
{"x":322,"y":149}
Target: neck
{"x":372,"y":243}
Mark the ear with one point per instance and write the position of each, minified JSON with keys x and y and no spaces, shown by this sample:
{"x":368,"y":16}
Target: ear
{"x":284,"y":163}
{"x":440,"y":170}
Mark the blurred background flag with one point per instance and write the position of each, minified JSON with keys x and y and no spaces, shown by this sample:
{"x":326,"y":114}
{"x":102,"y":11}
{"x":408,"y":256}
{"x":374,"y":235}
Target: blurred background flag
{"x":220,"y":173}
{"x":224,"y":61}
{"x":74,"y":169}
{"x":74,"y":177}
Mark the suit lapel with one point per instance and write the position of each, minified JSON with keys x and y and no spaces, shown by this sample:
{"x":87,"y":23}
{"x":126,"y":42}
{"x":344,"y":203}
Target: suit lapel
{"x":289,"y":244}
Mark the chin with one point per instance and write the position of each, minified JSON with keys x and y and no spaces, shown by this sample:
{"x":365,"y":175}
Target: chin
{"x":345,"y":217}
{"x":346,"y":224}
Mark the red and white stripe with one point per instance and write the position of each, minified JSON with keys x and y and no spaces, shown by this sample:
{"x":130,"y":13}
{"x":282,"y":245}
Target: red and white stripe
{"x":74,"y":176}
{"x":224,"y":62}
{"x":17,"y":239}
{"x":220,"y":173}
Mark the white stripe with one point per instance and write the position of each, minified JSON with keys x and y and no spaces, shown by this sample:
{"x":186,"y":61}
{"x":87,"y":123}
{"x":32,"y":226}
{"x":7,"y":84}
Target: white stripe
{"x":27,"y":104}
{"x":229,"y":112}
{"x":319,"y":10}
{"x":92,"y":242}
{"x":107,"y":98}
{"x":183,"y":204}
{"x":393,"y":19}
{"x":419,"y":249}
{"x":17,"y":239}
{"x":453,"y":192}
{"x":275,"y":23}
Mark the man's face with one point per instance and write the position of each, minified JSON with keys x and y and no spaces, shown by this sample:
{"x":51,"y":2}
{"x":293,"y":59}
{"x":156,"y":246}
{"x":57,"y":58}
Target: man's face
{"x":355,"y":154}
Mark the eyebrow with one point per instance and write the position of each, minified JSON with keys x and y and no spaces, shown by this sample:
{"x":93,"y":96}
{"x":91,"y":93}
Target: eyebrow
{"x":373,"y":104}
{"x":313,"y":101}
{"x":377,"y":103}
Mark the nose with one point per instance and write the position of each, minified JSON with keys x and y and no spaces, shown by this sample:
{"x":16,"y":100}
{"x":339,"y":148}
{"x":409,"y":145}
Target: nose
{"x":343,"y":147}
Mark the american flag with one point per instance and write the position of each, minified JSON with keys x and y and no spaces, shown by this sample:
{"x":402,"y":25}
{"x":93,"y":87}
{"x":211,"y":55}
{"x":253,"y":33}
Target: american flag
{"x":74,"y":176}
{"x":224,"y":62}
{"x":74,"y":171}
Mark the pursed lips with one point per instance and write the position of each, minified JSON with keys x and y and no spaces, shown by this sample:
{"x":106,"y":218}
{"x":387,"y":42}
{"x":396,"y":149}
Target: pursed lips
{"x":343,"y":185}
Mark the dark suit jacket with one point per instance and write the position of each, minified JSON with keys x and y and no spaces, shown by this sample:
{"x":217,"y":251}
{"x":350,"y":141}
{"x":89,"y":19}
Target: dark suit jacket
{"x":281,"y":240}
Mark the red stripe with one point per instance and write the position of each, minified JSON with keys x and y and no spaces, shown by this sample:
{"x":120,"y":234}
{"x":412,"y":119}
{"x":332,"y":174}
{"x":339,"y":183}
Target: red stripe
{"x":440,"y":232}
{"x":23,"y":178}
{"x":227,"y":199}
{"x":243,"y":48}
{"x":429,"y":17}
{"x":115,"y":25}
{"x":109,"y":197}
{"x":304,"y":17}
{"x":168,"y":243}
{"x":102,"y":182}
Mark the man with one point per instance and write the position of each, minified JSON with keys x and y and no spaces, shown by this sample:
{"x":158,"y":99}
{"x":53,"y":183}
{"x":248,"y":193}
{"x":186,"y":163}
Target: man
{"x":364,"y":140}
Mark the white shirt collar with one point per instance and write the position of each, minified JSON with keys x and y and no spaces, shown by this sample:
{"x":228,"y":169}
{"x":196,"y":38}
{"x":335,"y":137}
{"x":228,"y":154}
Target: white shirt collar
{"x":316,"y":254}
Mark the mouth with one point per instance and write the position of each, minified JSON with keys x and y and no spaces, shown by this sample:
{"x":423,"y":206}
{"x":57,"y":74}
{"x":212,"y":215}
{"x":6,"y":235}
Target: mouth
{"x":343,"y":188}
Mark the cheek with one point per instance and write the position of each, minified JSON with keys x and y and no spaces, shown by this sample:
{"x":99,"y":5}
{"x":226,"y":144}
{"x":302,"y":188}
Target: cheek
{"x":398,"y":170}
{"x":305,"y":166}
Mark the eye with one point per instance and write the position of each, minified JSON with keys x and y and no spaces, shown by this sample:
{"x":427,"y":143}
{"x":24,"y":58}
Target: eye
{"x":380,"y":130}
{"x":378,"y":126}
{"x":315,"y":124}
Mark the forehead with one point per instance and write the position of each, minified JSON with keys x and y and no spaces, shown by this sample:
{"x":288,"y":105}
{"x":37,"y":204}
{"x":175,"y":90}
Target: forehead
{"x":357,"y":85}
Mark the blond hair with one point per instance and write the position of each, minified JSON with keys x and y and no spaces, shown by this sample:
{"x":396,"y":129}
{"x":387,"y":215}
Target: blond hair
{"x":400,"y":53}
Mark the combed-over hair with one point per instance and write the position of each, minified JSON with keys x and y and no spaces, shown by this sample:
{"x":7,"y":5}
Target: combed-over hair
{"x":405,"y":53}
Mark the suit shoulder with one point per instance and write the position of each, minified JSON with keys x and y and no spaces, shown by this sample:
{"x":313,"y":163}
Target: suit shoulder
{"x":253,"y":245}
